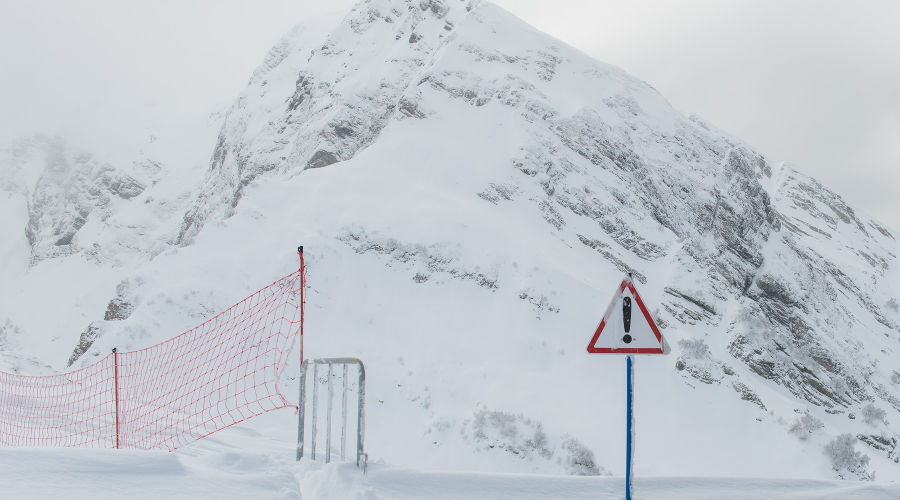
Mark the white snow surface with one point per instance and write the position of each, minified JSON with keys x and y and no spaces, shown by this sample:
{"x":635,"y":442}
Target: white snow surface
{"x":257,"y":462}
{"x":484,"y":189}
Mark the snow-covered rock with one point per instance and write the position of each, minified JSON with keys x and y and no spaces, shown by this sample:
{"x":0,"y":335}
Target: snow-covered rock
{"x":78,"y":204}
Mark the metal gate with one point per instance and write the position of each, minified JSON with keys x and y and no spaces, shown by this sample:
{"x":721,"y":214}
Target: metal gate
{"x":332,"y":368}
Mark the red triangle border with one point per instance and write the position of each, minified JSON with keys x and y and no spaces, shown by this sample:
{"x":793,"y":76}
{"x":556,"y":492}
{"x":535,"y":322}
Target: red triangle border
{"x":633,"y":350}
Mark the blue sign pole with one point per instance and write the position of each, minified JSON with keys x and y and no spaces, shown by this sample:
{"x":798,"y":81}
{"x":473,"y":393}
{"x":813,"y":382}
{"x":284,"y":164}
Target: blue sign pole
{"x":629,"y":426}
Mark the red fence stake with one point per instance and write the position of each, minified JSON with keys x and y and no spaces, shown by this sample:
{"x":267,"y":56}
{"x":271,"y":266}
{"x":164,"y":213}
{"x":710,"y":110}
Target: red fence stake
{"x":302,"y":297}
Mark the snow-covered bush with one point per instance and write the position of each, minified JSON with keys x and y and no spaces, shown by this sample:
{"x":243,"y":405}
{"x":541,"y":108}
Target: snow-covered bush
{"x":521,"y":437}
{"x":580,"y":459}
{"x":514,"y":433}
{"x":845,"y":460}
{"x":694,"y":348}
{"x":805,"y":425}
{"x":695,"y":358}
{"x":874,"y":415}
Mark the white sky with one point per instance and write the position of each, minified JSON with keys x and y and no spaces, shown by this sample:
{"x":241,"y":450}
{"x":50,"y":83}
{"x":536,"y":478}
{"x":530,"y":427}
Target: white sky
{"x":814,"y":83}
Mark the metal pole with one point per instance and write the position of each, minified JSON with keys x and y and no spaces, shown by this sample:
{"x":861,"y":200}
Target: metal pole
{"x":344,"y":412}
{"x":361,"y":414}
{"x":315,"y":405}
{"x":302,"y":297}
{"x":303,"y":367}
{"x":361,"y":457}
{"x":629,"y":427}
{"x":328,"y":416}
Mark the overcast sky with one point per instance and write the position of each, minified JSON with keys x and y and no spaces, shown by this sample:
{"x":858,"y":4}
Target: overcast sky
{"x":814,"y":83}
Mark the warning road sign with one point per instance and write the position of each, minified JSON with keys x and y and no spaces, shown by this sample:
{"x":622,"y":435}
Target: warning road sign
{"x":627,"y":327}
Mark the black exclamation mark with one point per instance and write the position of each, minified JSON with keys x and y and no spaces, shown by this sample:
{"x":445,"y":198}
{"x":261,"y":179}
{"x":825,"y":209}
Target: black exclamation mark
{"x":626,"y":318}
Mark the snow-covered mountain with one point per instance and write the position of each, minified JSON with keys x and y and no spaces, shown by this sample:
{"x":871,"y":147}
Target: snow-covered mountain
{"x":470,"y":191}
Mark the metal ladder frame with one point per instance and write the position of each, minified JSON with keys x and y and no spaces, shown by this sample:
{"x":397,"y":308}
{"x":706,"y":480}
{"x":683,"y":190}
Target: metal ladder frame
{"x":361,"y":457}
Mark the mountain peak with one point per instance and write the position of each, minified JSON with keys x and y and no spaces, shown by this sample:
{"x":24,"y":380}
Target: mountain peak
{"x":474,"y":107}
{"x":313,"y":103}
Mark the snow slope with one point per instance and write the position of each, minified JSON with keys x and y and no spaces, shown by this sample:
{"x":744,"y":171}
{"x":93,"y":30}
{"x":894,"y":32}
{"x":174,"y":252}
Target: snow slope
{"x":243,"y":462}
{"x":103,"y":475}
{"x":470,"y":192}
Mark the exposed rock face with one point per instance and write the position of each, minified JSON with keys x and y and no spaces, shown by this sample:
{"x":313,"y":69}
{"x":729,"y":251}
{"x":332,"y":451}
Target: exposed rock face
{"x":119,"y":309}
{"x":70,"y":190}
{"x":882,"y":443}
{"x":803,"y":307}
{"x":344,"y":92}
{"x":760,"y":236}
{"x":429,"y":261}
{"x":85,"y":341}
{"x":74,"y":200}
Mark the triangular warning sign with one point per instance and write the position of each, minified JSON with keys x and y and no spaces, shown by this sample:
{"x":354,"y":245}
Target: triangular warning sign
{"x":627,"y":327}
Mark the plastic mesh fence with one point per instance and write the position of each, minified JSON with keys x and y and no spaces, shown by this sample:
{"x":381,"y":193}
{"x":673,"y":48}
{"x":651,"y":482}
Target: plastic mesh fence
{"x":71,"y":409}
{"x":215,"y":375}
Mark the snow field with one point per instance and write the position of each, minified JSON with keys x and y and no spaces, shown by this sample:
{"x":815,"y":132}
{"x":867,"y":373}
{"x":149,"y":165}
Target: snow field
{"x":257,"y":461}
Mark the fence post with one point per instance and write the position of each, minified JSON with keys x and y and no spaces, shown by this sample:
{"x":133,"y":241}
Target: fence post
{"x":116,"y":387}
{"x":328,"y":415}
{"x":315,"y":408}
{"x":344,"y":412}
{"x":361,"y":418}
{"x":361,"y":456}
{"x":302,"y":414}
{"x":302,"y":296}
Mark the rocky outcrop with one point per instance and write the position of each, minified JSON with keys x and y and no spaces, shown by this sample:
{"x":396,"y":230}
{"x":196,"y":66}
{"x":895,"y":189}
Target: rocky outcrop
{"x":425,"y":262}
{"x":119,"y":308}
{"x":72,"y":189}
{"x":75,"y":202}
{"x":345,"y":91}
